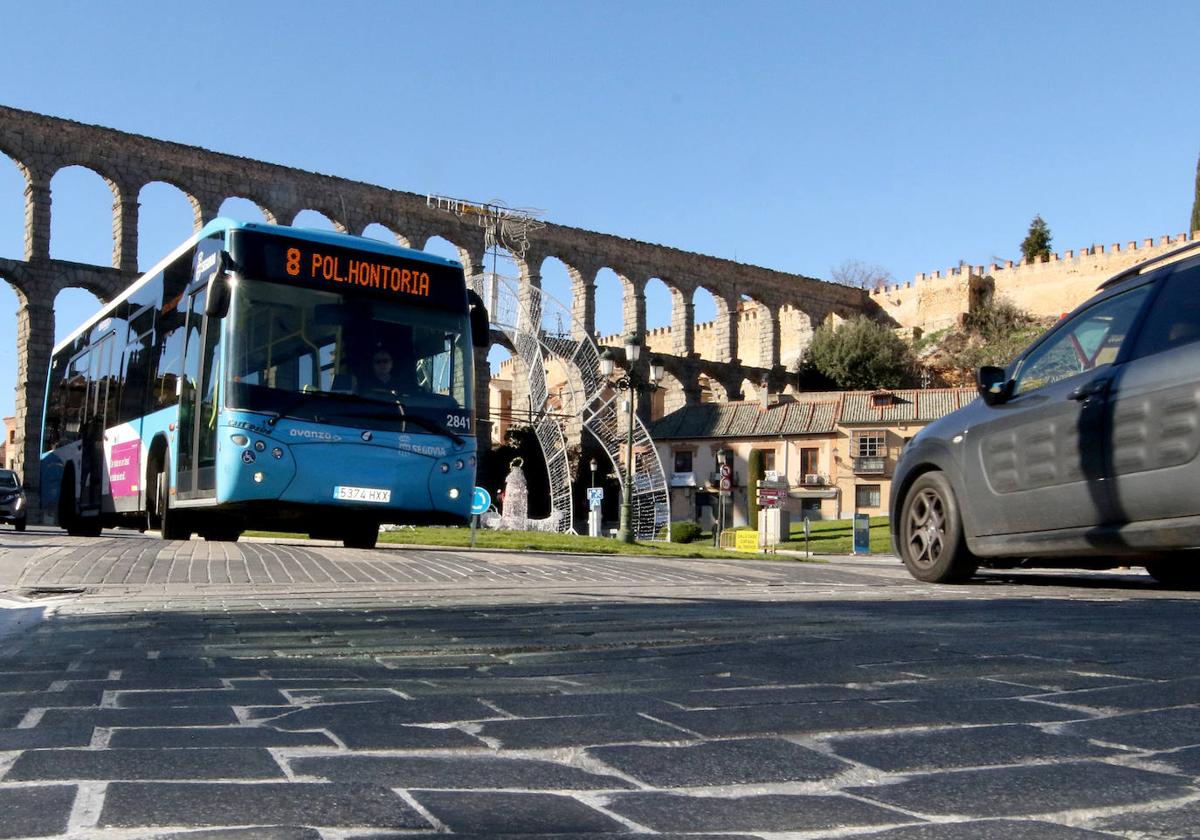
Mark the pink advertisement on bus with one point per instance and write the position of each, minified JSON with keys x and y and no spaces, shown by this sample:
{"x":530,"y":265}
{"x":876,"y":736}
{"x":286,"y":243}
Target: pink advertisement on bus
{"x":124,"y":468}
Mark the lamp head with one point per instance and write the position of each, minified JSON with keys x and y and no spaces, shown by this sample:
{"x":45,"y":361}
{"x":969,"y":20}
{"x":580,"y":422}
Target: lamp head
{"x":633,"y":349}
{"x":656,"y":369}
{"x":608,"y":363}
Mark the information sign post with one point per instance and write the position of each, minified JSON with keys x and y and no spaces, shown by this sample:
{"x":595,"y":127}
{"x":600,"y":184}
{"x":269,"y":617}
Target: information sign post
{"x":481,"y":500}
{"x":862,"y":533}
{"x":595,"y":496}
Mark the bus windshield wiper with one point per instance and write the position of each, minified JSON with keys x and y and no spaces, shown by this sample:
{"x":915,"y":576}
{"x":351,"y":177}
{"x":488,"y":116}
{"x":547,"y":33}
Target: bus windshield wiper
{"x":298,"y":399}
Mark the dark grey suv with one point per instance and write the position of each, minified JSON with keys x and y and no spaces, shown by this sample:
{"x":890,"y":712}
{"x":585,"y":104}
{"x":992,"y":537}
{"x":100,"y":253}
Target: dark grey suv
{"x":12,"y":500}
{"x":1082,"y":452}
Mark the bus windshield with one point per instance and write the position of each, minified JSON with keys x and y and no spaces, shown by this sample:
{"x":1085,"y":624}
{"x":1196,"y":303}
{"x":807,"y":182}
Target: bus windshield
{"x":345,"y":359}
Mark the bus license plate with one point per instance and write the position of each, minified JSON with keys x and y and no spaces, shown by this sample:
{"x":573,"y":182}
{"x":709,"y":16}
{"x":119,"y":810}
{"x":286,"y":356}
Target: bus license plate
{"x":362,"y":494}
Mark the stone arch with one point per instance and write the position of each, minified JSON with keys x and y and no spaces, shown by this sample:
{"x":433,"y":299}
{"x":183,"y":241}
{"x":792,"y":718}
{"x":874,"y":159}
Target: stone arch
{"x":13,"y":180}
{"x":245,"y":210}
{"x":796,"y":328}
{"x":381,"y":232}
{"x":712,"y":389}
{"x":472,"y":262}
{"x":81,"y":228}
{"x":557,"y":282}
{"x":660,"y":305}
{"x":10,"y":301}
{"x":164,"y":220}
{"x":704,"y":323}
{"x":750,"y":390}
{"x":758,"y":332}
{"x":316,"y":220}
{"x":610,"y":319}
{"x":671,"y":394}
{"x":72,"y":306}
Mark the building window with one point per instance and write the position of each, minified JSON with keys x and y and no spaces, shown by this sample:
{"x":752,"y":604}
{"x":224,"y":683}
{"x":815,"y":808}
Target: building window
{"x":868,"y":450}
{"x":871,"y":444}
{"x":683,"y":462}
{"x":768,"y":456}
{"x":808,"y":464}
{"x":866,"y":496}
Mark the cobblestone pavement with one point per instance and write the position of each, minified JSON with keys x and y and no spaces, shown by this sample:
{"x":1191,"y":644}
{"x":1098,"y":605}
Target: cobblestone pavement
{"x":209,"y":690}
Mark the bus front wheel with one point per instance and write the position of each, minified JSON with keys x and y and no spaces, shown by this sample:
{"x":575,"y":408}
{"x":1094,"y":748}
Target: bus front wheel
{"x":169,"y":523}
{"x":364,"y":535}
{"x":68,"y":511}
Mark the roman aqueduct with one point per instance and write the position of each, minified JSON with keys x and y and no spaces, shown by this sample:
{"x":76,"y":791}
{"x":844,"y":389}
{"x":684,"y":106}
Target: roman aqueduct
{"x":741,"y":348}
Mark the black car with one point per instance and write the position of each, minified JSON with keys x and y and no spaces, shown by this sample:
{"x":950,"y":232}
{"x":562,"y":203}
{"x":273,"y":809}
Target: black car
{"x":12,"y":500}
{"x":1082,"y":452}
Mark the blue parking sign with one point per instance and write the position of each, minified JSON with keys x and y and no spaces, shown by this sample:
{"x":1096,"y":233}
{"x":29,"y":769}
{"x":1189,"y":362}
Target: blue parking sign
{"x":481,"y":500}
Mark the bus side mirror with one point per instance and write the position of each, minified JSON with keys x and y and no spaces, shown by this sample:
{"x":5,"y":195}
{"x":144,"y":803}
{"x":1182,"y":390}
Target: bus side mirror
{"x":481,"y":329}
{"x":216,"y":304}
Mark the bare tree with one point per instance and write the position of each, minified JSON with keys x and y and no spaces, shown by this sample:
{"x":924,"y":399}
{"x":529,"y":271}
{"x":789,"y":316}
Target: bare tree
{"x":861,"y":275}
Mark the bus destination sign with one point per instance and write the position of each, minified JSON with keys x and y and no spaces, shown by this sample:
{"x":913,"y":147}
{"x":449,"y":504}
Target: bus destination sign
{"x":319,"y":264}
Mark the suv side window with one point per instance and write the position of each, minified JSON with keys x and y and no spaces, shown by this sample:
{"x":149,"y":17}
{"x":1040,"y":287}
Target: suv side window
{"x":1090,"y":340}
{"x":1174,"y":320}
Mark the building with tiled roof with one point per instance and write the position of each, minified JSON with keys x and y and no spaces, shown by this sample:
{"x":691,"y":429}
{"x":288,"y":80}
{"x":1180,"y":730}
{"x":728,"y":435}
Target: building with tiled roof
{"x":835,"y":449}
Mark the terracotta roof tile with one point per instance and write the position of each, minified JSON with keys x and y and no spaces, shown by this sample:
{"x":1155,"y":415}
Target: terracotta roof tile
{"x":808,"y":413}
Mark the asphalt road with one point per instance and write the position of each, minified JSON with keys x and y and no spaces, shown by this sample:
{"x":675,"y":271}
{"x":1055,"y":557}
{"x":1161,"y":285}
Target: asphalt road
{"x":208,"y":690}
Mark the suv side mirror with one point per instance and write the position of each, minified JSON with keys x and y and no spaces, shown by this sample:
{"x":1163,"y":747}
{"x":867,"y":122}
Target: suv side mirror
{"x":993,"y":384}
{"x":481,"y":328}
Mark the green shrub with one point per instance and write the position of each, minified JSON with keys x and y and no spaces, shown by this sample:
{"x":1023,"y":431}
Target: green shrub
{"x":682,"y":532}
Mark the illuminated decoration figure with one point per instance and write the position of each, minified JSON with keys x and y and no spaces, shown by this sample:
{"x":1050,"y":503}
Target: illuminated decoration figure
{"x":514,"y":515}
{"x":515,"y":512}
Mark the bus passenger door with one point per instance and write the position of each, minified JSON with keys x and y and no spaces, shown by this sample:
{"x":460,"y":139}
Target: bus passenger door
{"x":189,"y":397}
{"x":93,"y":470}
{"x":196,"y":475}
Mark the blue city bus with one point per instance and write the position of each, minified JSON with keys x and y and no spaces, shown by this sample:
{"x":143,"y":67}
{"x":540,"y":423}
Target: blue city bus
{"x":273,"y":378}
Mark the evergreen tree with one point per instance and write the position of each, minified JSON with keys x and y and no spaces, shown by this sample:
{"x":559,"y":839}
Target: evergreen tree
{"x":1036,"y":245}
{"x":1196,"y":201}
{"x":860,"y":354}
{"x":755,"y":472}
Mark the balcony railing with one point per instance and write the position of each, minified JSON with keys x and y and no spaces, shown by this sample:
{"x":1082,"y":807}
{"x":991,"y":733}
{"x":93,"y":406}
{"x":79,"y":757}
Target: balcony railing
{"x":813,"y":480}
{"x":870,"y":466}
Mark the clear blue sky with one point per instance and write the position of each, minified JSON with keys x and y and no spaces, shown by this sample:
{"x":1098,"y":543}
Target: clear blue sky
{"x":793,"y":135}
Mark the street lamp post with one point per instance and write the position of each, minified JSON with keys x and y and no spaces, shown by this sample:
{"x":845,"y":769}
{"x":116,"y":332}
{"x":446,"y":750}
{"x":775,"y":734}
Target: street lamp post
{"x":633,"y":384}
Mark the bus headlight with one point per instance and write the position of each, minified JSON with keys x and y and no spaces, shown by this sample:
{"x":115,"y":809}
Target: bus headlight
{"x":239,"y":439}
{"x":277,"y":453}
{"x":458,"y":465}
{"x":445,"y":468}
{"x":453,"y":492}
{"x":258,"y":478}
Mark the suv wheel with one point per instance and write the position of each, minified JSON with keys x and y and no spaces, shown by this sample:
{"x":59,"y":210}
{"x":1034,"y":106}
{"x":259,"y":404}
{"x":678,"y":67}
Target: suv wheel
{"x":931,"y":536}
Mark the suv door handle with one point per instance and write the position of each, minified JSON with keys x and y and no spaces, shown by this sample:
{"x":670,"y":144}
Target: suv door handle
{"x":1096,"y":387}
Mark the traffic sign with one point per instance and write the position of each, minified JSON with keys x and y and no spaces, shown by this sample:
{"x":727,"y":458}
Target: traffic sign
{"x":726,"y":471}
{"x":726,"y":485}
{"x":481,"y":500}
{"x":595,"y":496}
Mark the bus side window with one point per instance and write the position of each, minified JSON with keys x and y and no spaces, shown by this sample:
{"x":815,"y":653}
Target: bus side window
{"x":169,"y":327}
{"x":138,"y":356}
{"x":54,"y":433}
{"x":74,"y":398}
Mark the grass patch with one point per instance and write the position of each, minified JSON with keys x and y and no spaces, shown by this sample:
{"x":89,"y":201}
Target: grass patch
{"x":828,"y":537}
{"x":530,"y":540}
{"x":836,"y":536}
